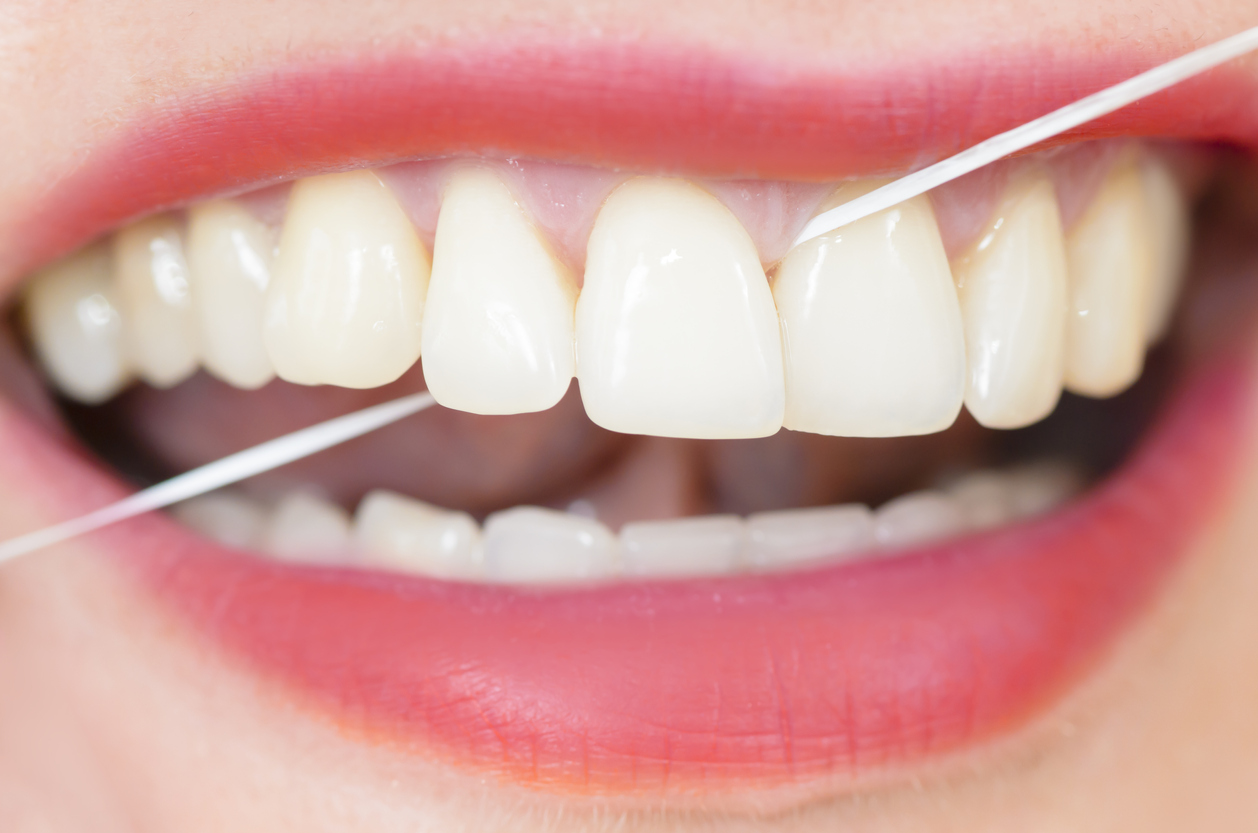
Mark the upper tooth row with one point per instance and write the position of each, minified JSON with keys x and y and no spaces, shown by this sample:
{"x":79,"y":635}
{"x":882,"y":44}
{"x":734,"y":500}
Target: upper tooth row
{"x":865,"y":331}
{"x":534,"y":545}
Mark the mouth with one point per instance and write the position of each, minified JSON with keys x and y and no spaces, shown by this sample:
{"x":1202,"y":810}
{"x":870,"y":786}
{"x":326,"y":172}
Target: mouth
{"x":700,"y":513}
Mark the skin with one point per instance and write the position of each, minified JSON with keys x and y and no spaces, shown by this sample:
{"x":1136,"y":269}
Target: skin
{"x":110,"y":719}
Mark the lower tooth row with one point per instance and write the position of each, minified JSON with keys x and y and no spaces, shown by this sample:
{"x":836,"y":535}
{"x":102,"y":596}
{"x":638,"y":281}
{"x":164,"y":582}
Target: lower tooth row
{"x":866,"y":331}
{"x":531,"y":545}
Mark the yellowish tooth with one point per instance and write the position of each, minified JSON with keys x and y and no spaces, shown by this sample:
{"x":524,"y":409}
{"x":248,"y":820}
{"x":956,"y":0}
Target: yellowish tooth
{"x":346,"y":300}
{"x":1171,"y":226}
{"x":1013,"y":291}
{"x":307,"y":528}
{"x":498,"y":319}
{"x":230,"y":254}
{"x":400,"y":533}
{"x":156,"y":298}
{"x":1110,"y":254}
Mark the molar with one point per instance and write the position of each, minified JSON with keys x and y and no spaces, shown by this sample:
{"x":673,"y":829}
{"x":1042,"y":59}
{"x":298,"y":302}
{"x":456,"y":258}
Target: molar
{"x":399,"y":533}
{"x":677,"y":335}
{"x":346,"y":300}
{"x":530,"y":545}
{"x":710,"y":545}
{"x":498,"y":323}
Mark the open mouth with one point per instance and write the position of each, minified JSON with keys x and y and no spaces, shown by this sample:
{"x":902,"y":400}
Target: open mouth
{"x":700,"y":512}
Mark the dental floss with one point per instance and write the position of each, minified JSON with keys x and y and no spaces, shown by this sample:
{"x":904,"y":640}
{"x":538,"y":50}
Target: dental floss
{"x":1045,"y":127}
{"x":307,"y":441}
{"x":224,"y":471}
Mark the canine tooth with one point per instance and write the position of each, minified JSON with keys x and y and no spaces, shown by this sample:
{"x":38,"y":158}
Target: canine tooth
{"x":777,"y":539}
{"x":918,"y":517}
{"x":1171,"y":225}
{"x":1110,"y":255}
{"x":676,"y":331}
{"x":984,"y":497}
{"x":72,"y":307}
{"x":347,"y":294}
{"x":229,"y":518}
{"x":1013,"y":291}
{"x":499,"y":316}
{"x":156,"y":298}
{"x":230,"y":254}
{"x":307,"y":528}
{"x":871,"y":327}
{"x":530,"y":545}
{"x":400,"y":533}
{"x":710,"y":545}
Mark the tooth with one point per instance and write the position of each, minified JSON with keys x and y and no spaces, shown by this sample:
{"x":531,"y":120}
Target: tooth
{"x":778,"y":539}
{"x":229,"y":256}
{"x":710,"y":545}
{"x":156,"y":298}
{"x":72,"y":307}
{"x":1171,"y":232}
{"x":530,"y":545}
{"x":1038,"y":487}
{"x":498,"y":320}
{"x":307,"y":528}
{"x":984,"y":498}
{"x":399,"y":533}
{"x":1110,"y":255}
{"x":1013,"y":291}
{"x":918,"y":517}
{"x":871,"y":327}
{"x":676,"y":331}
{"x":229,"y":518}
{"x":347,"y":294}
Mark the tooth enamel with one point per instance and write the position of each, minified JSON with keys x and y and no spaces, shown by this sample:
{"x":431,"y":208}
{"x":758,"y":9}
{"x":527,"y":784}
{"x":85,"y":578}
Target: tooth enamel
{"x":916,"y":518}
{"x":984,"y":497}
{"x":1038,"y":487}
{"x":231,"y":519}
{"x":72,"y":307}
{"x":400,"y":533}
{"x":229,"y":257}
{"x":530,"y":545}
{"x":1167,"y":212}
{"x":871,"y":326}
{"x":307,"y":528}
{"x":347,"y":294}
{"x":711,"y":545}
{"x":155,"y":295}
{"x":781,"y":539}
{"x":1013,"y":291}
{"x":499,"y":315}
{"x":677,"y":335}
{"x":1110,"y":256}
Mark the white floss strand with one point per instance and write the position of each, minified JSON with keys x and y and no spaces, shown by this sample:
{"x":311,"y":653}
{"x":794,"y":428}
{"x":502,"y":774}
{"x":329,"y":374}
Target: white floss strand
{"x":1032,"y":133}
{"x":225,"y":471}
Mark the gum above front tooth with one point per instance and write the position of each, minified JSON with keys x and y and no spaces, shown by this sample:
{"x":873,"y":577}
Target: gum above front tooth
{"x":795,"y":536}
{"x":400,"y":533}
{"x":711,"y":545}
{"x":530,"y":545}
{"x":230,"y":254}
{"x":346,"y":299}
{"x":1171,"y":233}
{"x":72,"y":307}
{"x":871,"y":326}
{"x":677,"y":335}
{"x":916,"y":518}
{"x":499,"y":315}
{"x":307,"y":528}
{"x":1013,"y":291}
{"x":1110,"y":255}
{"x":156,"y":297}
{"x":231,"y":519}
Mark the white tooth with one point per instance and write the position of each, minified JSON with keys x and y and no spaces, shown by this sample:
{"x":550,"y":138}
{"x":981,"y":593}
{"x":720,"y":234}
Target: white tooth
{"x":795,"y":536}
{"x":1171,"y":231}
{"x":400,"y":533}
{"x":984,"y":497}
{"x":871,"y":327}
{"x":229,"y":256}
{"x":347,"y":295}
{"x":226,"y":517}
{"x":1110,"y":255}
{"x":710,"y":545}
{"x":307,"y":528}
{"x":72,"y":307}
{"x":1039,"y":487}
{"x":677,"y":335}
{"x":1013,"y":291}
{"x":156,"y":297}
{"x":530,"y":545}
{"x":499,"y":316}
{"x":918,"y":517}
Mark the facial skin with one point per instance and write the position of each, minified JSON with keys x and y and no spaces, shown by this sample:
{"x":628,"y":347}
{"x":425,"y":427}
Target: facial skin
{"x":112,"y":718}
